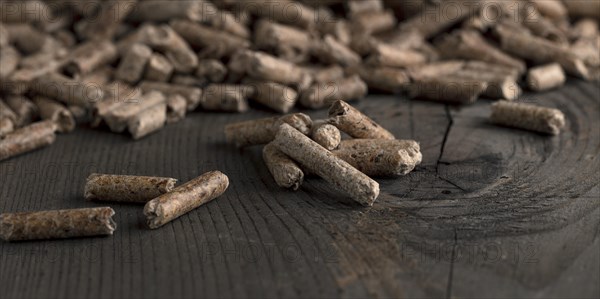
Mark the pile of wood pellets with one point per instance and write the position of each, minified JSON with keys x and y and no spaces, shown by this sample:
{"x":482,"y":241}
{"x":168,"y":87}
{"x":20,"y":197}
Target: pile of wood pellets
{"x":136,"y":66}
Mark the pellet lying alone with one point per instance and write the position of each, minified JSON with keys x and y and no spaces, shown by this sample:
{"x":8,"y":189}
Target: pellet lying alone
{"x":126,"y":188}
{"x":57,"y":224}
{"x":184,"y":198}
{"x":528,"y":117}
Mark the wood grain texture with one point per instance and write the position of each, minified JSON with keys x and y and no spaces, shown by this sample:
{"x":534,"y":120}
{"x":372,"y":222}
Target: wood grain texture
{"x":492,"y":212}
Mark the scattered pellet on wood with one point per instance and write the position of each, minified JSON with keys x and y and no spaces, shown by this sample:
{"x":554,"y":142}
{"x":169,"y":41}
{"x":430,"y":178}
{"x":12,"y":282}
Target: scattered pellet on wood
{"x":25,"y":110}
{"x":51,"y":110}
{"x":385,"y":79}
{"x":148,"y":121}
{"x":133,"y":64}
{"x":274,"y":95}
{"x":380,"y":157}
{"x":322,"y":162}
{"x":185,"y":198}
{"x":263,"y":131}
{"x":192,"y":95}
{"x":546,"y":77}
{"x":269,"y":68}
{"x":159,"y":69}
{"x":89,"y":56}
{"x":164,"y":39}
{"x":67,"y":90}
{"x":325,"y":134}
{"x":176,"y":108}
{"x":528,"y":117}
{"x":118,"y":119}
{"x":212,"y":70}
{"x":126,"y":188}
{"x":354,"y":123}
{"x":226,"y":97}
{"x":57,"y":224}
{"x":285,"y":172}
{"x":27,"y":139}
{"x":323,"y":94}
{"x":448,"y":89}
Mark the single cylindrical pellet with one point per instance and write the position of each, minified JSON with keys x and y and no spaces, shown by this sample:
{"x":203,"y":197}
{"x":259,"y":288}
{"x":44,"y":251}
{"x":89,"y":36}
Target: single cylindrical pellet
{"x":118,"y":119}
{"x":25,"y":110}
{"x":57,"y":224}
{"x":330,"y":50}
{"x":148,"y":121}
{"x":192,"y":95}
{"x":379,"y":157}
{"x":322,"y":162}
{"x":164,"y":39}
{"x":52,"y":110}
{"x":374,"y":22}
{"x":354,"y":123}
{"x":133,"y":64}
{"x":326,"y":135}
{"x":269,"y":68}
{"x":27,"y":139}
{"x":159,"y":69}
{"x":226,"y":97}
{"x":528,"y":117}
{"x":66,"y":90}
{"x":90,"y":55}
{"x":185,"y":198}
{"x":386,"y":79}
{"x":499,"y":86}
{"x":387,"y":55}
{"x":176,"y":108}
{"x":270,"y":35}
{"x":356,"y":7}
{"x":263,"y":131}
{"x":449,"y":89}
{"x":323,"y":94}
{"x":435,"y":69}
{"x":126,"y":188}
{"x":211,"y":70}
{"x":546,"y":77}
{"x":274,"y":95}
{"x":285,"y":172}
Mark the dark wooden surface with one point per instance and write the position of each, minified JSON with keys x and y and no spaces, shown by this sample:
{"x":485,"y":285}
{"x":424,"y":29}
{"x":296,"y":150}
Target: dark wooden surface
{"x":491,"y":212}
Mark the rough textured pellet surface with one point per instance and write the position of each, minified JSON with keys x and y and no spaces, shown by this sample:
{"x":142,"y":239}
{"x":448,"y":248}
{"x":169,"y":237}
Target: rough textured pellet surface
{"x":353,"y":122}
{"x":126,"y":188}
{"x":28,"y":138}
{"x":185,"y":198}
{"x":263,"y":131}
{"x":328,"y":136}
{"x":528,"y":117}
{"x":58,"y":224}
{"x":322,"y":162}
{"x":285,"y":172}
{"x":379,"y":157}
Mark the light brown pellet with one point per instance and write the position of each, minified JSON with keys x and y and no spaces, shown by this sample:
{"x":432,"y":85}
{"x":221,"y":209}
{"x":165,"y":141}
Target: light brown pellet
{"x":67,"y":90}
{"x":214,"y":43}
{"x":323,"y":94}
{"x":379,"y":157}
{"x":528,"y":117}
{"x":27,"y":139}
{"x":356,"y":7}
{"x":285,"y":172}
{"x":192,"y":95}
{"x":106,"y":22}
{"x":546,"y":77}
{"x":448,"y":89}
{"x":54,"y":111}
{"x":322,"y":162}
{"x":325,"y":74}
{"x":28,"y":39}
{"x":434,"y":19}
{"x":187,"y":80}
{"x":156,"y":11}
{"x":164,"y":39}
{"x":25,"y":110}
{"x":435,"y":69}
{"x":269,"y":68}
{"x":354,"y":123}
{"x":263,"y":131}
{"x":326,"y":135}
{"x":133,"y":64}
{"x":211,"y":70}
{"x":176,"y":108}
{"x":89,"y":56}
{"x":9,"y":60}
{"x":126,"y":188}
{"x":148,"y":121}
{"x":57,"y":224}
{"x":6,"y":126}
{"x":499,"y":86}
{"x":227,"y":22}
{"x":117,"y":94}
{"x":118,"y":119}
{"x":226,"y":97}
{"x":159,"y":69}
{"x":274,"y":95}
{"x":185,"y":198}
{"x":374,"y":21}
{"x":6,"y":112}
{"x":382,"y":78}
{"x":330,"y":50}
{"x":270,"y":35}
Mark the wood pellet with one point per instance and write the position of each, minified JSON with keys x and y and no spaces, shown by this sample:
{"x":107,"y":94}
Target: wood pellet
{"x":528,"y":117}
{"x":185,"y":198}
{"x":126,"y":188}
{"x":58,"y":224}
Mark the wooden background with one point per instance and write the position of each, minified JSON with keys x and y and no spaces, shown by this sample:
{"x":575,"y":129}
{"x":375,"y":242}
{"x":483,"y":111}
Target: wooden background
{"x":491,"y":212}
